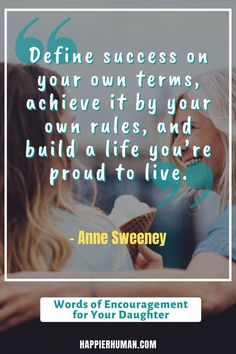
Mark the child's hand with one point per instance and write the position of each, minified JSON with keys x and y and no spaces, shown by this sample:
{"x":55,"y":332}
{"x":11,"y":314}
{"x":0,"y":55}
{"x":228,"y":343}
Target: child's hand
{"x":147,"y":259}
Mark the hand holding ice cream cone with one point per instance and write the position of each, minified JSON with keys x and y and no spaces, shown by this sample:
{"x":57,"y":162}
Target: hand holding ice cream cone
{"x":147,"y":259}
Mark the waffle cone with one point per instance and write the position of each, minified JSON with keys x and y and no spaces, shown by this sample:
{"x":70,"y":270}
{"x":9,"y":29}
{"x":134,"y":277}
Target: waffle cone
{"x":141,"y":223}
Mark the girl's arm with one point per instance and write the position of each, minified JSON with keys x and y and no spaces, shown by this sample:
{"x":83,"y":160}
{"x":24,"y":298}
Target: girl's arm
{"x":216,"y":295}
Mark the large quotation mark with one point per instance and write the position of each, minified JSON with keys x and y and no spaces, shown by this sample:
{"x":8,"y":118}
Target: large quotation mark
{"x":23,"y":44}
{"x":198,"y":176}
{"x":65,"y":42}
{"x":166,"y":170}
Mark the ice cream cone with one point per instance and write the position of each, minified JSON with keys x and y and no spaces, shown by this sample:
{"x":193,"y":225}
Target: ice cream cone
{"x":141,"y":223}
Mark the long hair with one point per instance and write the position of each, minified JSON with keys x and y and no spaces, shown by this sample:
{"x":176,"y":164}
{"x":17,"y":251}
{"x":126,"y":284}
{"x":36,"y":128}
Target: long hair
{"x":34,"y":243}
{"x":215,"y":86}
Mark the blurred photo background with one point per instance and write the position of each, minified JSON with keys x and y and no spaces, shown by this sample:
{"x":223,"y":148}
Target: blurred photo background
{"x":133,"y":32}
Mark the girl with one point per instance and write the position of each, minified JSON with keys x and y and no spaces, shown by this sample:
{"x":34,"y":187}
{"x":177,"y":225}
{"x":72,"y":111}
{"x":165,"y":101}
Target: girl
{"x":41,"y":218}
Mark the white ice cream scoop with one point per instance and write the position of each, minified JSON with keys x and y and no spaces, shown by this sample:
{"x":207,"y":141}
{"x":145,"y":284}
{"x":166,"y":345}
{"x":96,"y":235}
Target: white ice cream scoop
{"x":127,"y":207}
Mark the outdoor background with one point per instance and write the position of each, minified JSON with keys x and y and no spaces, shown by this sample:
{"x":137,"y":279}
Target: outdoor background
{"x":156,"y":31}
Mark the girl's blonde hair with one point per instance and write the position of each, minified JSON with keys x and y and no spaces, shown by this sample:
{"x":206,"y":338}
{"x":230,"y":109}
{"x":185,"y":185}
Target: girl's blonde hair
{"x":34,"y":243}
{"x":215,"y":86}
